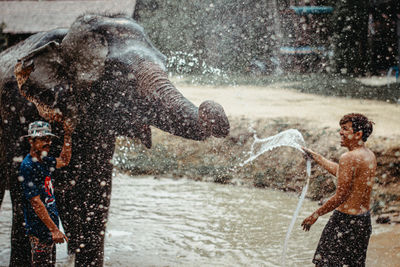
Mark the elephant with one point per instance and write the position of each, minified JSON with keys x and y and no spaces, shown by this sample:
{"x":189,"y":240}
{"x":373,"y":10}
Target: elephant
{"x":104,"y":74}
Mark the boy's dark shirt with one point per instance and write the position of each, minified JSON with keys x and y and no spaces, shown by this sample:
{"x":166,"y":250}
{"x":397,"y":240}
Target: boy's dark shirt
{"x":37,"y":181}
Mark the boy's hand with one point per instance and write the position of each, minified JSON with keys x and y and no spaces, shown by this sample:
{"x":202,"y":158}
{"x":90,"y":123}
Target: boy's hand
{"x":310,"y":220}
{"x":309,"y":154}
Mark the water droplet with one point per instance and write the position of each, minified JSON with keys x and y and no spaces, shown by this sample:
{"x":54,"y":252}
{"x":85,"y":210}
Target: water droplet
{"x":18,"y":159}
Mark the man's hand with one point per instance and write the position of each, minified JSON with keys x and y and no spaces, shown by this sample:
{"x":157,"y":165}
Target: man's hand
{"x":41,"y":211}
{"x":328,"y":165}
{"x":310,"y":220}
{"x":309,"y":154}
{"x":58,"y":236}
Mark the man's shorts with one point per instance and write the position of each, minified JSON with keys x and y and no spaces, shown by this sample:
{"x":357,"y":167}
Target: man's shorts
{"x":344,"y":240}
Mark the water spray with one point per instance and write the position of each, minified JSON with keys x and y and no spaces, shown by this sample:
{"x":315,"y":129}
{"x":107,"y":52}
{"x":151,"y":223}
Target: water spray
{"x":292,"y":138}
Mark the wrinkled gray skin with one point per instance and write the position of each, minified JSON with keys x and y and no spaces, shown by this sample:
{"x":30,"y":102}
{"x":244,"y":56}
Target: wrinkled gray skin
{"x":105,"y":75}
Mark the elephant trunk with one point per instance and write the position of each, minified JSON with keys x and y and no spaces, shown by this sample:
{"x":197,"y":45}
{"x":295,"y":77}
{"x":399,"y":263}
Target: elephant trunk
{"x":172,"y":112}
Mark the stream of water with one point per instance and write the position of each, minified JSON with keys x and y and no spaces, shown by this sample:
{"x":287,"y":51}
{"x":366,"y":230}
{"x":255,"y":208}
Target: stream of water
{"x":292,"y":138}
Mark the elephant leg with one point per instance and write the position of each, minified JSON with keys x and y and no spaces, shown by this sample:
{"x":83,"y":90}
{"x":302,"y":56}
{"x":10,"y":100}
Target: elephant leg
{"x":94,"y":216}
{"x":15,"y":148}
{"x":3,"y":182}
{"x":20,"y":246}
{"x":83,"y":204}
{"x":70,"y":211}
{"x":3,"y":166}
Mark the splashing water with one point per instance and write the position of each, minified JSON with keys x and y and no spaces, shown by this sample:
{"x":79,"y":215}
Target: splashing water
{"x":292,"y":138}
{"x":188,"y":63}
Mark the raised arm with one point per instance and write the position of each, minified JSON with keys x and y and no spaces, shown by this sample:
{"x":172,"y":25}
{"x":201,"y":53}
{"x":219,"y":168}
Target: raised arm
{"x":66,"y":151}
{"x":343,"y":190}
{"x":330,"y":166}
{"x":40,"y":210}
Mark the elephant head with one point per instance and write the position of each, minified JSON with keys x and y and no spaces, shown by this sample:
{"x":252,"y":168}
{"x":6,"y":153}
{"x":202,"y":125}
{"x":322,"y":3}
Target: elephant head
{"x":106,"y":74}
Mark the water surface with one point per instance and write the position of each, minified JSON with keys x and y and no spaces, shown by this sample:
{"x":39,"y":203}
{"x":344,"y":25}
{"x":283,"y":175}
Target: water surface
{"x":181,"y":222}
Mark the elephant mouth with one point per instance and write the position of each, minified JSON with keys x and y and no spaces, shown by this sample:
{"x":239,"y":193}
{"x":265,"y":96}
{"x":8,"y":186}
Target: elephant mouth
{"x":141,"y":132}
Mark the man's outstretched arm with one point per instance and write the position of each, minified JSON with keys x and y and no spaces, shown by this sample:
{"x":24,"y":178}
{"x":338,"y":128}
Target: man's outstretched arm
{"x":330,"y":166}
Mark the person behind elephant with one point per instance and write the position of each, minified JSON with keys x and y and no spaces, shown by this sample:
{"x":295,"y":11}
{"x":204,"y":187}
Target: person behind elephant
{"x":345,"y":238}
{"x":40,"y":211}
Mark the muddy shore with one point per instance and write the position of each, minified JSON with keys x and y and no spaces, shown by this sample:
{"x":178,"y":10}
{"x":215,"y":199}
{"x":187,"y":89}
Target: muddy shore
{"x":266,"y":111}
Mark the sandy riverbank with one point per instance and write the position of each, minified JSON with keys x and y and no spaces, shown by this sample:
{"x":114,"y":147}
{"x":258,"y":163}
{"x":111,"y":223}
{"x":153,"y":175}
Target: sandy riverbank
{"x":384,"y":248}
{"x":276,"y":102}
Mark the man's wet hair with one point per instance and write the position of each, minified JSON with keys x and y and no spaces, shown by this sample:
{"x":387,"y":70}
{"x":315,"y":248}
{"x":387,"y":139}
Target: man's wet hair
{"x":359,"y":122}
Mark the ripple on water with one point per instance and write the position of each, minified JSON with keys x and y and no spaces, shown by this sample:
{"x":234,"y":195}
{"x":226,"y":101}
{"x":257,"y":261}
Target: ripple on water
{"x":159,"y":222}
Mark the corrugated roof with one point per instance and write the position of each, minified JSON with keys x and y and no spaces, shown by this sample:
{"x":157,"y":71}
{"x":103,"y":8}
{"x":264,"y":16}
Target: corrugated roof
{"x":37,"y":16}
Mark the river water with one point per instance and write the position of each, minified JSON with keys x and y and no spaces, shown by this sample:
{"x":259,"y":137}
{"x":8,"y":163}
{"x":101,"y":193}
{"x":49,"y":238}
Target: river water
{"x":181,"y":222}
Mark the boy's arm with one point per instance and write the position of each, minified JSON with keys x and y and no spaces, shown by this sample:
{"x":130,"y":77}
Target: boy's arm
{"x":330,"y":166}
{"x":41,"y":211}
{"x":66,"y":152}
{"x":343,"y":190}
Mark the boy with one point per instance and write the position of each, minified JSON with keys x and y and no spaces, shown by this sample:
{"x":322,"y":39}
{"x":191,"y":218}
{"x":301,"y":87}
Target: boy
{"x":345,"y":238}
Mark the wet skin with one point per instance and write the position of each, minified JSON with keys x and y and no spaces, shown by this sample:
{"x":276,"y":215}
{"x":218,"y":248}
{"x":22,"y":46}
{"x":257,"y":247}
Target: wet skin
{"x":40,"y":147}
{"x":355,"y":173}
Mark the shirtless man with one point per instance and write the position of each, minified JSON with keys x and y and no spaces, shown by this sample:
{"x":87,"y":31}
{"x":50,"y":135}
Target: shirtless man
{"x":345,"y":238}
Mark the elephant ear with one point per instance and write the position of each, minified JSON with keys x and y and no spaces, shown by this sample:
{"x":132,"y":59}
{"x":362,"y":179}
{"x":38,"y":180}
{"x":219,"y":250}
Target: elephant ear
{"x":40,"y":80}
